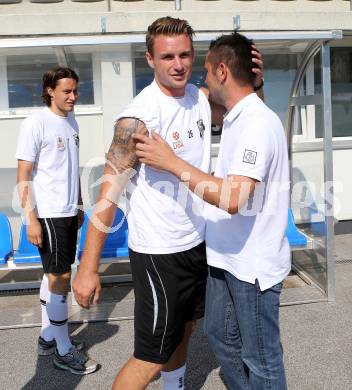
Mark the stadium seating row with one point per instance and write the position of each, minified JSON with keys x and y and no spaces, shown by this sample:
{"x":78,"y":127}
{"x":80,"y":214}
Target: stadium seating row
{"x":115,"y":244}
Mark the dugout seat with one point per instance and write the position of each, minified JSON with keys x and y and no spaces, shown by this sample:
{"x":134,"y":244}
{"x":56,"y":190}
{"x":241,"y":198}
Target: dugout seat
{"x":116,"y":243}
{"x":6,"y":245}
{"x":294,"y":236}
{"x":27,"y":252}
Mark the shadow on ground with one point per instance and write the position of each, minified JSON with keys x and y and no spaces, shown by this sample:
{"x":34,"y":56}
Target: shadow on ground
{"x":46,"y":377}
{"x":201,"y":360}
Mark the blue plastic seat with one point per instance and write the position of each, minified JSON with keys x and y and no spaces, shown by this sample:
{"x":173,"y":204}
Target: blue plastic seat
{"x":116,"y":243}
{"x":295,"y":238}
{"x":27,"y":252}
{"x":6,"y":247}
{"x":319,"y":228}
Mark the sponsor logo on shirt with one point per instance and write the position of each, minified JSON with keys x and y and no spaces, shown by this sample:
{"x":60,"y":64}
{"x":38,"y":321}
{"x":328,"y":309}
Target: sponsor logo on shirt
{"x":201,"y":127}
{"x":178,"y":143}
{"x":176,"y":135}
{"x":76,"y":138}
{"x":190,"y":134}
{"x":250,"y":156}
{"x":60,"y":143}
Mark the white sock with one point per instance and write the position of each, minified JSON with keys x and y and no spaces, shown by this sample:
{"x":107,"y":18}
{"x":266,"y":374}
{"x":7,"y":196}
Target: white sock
{"x":56,"y":306}
{"x":174,"y":380}
{"x":46,"y":331}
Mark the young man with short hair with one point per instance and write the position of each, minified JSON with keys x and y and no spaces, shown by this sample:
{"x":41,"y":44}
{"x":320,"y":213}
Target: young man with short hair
{"x":246,"y":219}
{"x":48,"y":183}
{"x":166,"y":226}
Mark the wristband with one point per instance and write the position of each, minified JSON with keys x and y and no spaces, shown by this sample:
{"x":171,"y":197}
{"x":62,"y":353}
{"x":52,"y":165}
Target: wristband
{"x":260,"y":86}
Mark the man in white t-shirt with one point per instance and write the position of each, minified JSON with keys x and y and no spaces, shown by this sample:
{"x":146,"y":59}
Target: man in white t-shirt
{"x":246,"y":214}
{"x":49,"y":190}
{"x":166,"y":224}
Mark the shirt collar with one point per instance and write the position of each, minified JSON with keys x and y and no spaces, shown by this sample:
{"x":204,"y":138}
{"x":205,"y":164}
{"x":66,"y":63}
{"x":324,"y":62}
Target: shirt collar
{"x":237,"y":108}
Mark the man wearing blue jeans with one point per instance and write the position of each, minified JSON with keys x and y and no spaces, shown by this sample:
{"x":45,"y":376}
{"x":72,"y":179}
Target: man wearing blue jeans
{"x":247,"y":250}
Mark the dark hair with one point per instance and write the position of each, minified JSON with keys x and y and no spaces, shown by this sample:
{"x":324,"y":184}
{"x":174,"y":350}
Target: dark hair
{"x":167,"y":26}
{"x":234,"y":50}
{"x":52,"y":76}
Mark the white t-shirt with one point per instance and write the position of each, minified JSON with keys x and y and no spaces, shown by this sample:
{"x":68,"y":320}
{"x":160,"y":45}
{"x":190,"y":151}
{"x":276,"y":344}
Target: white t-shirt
{"x":51,"y":142}
{"x":252,"y":243}
{"x":163,"y":215}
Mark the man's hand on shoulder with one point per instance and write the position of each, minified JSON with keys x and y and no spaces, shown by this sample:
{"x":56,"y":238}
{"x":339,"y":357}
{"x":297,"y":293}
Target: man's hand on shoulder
{"x":259,"y":70}
{"x":86,"y":287}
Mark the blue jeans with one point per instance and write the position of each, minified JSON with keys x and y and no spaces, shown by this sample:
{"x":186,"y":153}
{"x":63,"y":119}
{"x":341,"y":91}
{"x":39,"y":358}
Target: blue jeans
{"x":242,"y":325}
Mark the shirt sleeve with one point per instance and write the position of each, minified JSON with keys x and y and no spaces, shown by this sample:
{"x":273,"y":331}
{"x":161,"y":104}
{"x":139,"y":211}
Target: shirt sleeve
{"x":28,"y":143}
{"x":252,"y":153}
{"x":144,"y":108}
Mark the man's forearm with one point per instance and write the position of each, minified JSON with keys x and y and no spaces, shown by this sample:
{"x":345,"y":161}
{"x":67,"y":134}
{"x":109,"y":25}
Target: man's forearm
{"x":229,"y":194}
{"x":211,"y":189}
{"x":25,"y":193}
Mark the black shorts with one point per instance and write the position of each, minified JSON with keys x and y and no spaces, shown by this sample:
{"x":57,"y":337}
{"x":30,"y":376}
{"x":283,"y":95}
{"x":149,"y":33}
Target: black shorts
{"x":169,"y":292}
{"x":59,"y":244}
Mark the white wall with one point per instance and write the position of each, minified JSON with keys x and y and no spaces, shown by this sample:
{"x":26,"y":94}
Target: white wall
{"x":117,"y":86}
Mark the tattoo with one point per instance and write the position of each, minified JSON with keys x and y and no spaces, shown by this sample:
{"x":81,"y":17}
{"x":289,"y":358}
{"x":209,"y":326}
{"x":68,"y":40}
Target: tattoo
{"x":122,"y":150}
{"x":123,"y":134}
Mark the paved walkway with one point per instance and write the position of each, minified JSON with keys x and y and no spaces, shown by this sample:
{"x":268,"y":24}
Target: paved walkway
{"x":316,"y":337}
{"x":317,"y":340}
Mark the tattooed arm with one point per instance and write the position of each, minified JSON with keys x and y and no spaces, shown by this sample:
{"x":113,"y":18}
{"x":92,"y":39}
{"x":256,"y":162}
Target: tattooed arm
{"x":121,"y":160}
{"x":122,"y":154}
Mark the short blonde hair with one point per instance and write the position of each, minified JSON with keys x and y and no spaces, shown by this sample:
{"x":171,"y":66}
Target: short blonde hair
{"x":167,"y":26}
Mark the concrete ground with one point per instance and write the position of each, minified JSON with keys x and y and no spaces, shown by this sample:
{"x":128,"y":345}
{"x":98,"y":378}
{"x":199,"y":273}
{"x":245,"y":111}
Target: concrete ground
{"x":316,"y":337}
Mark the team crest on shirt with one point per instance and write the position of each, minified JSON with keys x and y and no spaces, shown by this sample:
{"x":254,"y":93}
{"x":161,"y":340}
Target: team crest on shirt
{"x":177,"y":142}
{"x":201,"y":127}
{"x":76,"y":138}
{"x":250,"y":156}
{"x":60,"y":143}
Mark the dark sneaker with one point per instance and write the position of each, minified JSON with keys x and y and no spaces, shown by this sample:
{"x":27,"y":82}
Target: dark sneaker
{"x":46,"y":348}
{"x":76,"y":362}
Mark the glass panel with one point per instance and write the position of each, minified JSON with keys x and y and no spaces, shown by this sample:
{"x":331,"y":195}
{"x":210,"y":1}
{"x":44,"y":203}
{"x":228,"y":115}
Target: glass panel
{"x":341,"y":91}
{"x":143,"y":73}
{"x":307,"y":198}
{"x":25,"y":67}
{"x":24,"y":74}
{"x":82,"y":64}
{"x":280,"y":70}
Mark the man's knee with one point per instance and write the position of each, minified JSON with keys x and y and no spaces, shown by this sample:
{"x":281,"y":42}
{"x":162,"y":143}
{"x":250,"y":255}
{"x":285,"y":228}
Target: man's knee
{"x":136,"y":374}
{"x":147,"y":371}
{"x":59,"y":283}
